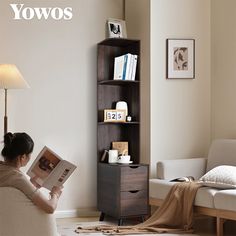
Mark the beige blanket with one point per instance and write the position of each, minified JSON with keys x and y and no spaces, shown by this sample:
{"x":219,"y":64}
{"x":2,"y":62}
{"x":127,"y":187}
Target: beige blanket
{"x":175,"y":215}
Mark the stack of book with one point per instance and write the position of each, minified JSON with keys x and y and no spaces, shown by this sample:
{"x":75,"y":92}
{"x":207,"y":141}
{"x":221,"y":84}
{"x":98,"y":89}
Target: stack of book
{"x":125,"y":67}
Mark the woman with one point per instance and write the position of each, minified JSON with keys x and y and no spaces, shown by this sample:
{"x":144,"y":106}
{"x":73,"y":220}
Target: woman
{"x":16,"y":152}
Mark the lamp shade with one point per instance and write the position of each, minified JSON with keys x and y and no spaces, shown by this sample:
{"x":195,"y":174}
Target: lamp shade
{"x":11,"y":78}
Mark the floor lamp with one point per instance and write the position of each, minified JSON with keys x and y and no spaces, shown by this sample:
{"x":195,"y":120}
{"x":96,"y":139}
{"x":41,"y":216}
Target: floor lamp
{"x":10,"y":78}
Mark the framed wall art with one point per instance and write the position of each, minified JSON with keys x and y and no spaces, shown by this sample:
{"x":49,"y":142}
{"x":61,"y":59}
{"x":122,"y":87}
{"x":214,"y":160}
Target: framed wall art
{"x":116,"y":28}
{"x":180,"y":58}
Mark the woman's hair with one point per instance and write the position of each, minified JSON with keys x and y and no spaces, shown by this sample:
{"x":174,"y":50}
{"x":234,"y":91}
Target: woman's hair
{"x":16,"y":144}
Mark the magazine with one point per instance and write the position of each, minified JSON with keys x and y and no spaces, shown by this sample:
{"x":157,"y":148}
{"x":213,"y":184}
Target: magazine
{"x":49,"y":169}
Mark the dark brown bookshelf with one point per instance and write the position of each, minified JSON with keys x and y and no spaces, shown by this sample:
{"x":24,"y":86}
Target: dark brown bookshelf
{"x":112,"y":198}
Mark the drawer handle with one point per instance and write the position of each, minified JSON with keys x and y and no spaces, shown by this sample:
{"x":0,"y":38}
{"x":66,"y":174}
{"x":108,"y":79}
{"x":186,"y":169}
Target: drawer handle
{"x":134,"y":167}
{"x":134,"y":191}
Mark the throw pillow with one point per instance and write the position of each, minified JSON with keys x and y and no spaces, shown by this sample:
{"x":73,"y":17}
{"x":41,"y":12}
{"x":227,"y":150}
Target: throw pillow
{"x":222,"y":177}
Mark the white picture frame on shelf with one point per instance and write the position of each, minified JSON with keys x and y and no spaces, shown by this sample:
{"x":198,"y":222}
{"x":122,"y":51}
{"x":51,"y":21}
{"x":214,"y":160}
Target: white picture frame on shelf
{"x":116,"y":28}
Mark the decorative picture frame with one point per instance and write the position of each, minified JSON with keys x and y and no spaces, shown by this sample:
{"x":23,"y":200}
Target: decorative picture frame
{"x":116,"y":28}
{"x":114,"y":115}
{"x":180,"y":59}
{"x":122,"y":147}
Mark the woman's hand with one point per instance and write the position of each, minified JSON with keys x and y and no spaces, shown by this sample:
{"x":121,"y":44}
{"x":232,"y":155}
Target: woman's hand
{"x":56,"y":191}
{"x":48,"y":205}
{"x":33,"y":181}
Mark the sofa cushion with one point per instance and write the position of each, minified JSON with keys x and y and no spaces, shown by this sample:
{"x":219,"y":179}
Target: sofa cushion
{"x":225,"y":200}
{"x":205,"y":197}
{"x":223,"y":177}
{"x":172,"y":169}
{"x":222,"y":152}
{"x":159,"y":189}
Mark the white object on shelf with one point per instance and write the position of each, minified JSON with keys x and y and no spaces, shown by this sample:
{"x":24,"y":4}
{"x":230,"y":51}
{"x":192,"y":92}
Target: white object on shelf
{"x":129,"y":65}
{"x":122,"y":105}
{"x":112,"y":156}
{"x":124,"y":66}
{"x":134,"y":66}
{"x":119,"y":65}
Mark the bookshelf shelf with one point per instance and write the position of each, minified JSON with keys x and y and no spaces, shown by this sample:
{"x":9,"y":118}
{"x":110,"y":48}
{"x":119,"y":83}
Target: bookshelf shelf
{"x":119,"y":42}
{"x":119,"y":123}
{"x":118,"y":82}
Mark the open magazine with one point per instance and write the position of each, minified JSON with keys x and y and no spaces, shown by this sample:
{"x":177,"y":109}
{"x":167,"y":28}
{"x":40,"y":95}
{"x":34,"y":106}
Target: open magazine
{"x":49,"y":169}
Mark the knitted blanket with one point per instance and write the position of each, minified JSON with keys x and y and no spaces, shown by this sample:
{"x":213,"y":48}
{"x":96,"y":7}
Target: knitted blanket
{"x":175,"y":215}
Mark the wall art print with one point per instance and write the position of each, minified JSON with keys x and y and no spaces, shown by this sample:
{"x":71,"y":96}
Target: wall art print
{"x":180,"y":58}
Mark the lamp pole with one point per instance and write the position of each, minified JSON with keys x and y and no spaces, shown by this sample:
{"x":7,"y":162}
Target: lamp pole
{"x":5,"y":116}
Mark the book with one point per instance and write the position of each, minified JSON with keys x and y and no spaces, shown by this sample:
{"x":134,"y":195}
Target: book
{"x":134,"y":66}
{"x":49,"y":169}
{"x":123,"y":67}
{"x":131,"y":67}
{"x":119,"y":63}
{"x":128,"y":67}
{"x":183,"y":179}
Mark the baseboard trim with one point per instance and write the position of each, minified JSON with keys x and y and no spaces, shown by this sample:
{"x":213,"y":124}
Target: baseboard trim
{"x":81,"y":212}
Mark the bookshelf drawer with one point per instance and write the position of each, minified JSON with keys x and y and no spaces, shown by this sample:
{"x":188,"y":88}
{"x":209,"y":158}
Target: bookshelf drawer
{"x":134,"y":203}
{"x":134,"y":178}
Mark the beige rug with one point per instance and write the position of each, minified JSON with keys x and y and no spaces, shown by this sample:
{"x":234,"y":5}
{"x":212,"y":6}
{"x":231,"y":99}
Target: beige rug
{"x":69,"y":228}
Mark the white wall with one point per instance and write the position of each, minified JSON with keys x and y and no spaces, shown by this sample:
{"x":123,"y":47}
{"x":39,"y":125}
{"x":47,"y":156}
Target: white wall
{"x":58,"y":60}
{"x":223,"y":69}
{"x":137,"y":16}
{"x":180,"y":109}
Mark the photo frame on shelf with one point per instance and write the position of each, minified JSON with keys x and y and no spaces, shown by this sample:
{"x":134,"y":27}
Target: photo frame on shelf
{"x":116,"y":28}
{"x":122,"y":147}
{"x":180,"y":58}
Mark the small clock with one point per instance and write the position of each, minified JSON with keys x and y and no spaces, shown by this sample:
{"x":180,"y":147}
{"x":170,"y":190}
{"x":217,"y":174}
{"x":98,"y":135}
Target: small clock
{"x":114,"y":115}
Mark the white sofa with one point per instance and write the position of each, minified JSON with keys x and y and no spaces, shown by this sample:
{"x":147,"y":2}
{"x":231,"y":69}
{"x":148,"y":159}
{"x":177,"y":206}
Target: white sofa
{"x":20,"y":217}
{"x":209,"y":201}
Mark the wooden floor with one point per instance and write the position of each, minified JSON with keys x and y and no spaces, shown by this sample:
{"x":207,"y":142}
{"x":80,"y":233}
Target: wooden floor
{"x":203,"y":226}
{"x":66,"y":226}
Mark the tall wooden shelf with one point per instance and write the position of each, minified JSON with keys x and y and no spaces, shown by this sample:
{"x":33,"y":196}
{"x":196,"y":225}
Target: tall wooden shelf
{"x":109,"y":92}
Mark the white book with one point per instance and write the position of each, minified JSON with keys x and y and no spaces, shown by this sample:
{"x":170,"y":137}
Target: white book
{"x":128,"y":71}
{"x":134,"y":67}
{"x":119,"y":65}
{"x":125,"y":67}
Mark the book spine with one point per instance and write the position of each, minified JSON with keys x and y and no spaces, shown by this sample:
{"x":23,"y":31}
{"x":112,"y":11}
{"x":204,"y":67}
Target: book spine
{"x":125,"y":66}
{"x":129,"y":67}
{"x":134,"y":67}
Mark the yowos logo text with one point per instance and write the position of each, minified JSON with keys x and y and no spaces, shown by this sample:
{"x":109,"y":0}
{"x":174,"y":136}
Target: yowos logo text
{"x":41,"y":13}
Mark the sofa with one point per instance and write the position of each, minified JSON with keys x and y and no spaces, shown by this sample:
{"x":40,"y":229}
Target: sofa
{"x":20,"y":217}
{"x":210,"y":201}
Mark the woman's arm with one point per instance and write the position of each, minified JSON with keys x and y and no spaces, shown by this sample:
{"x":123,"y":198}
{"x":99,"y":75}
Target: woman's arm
{"x":48,"y":205}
